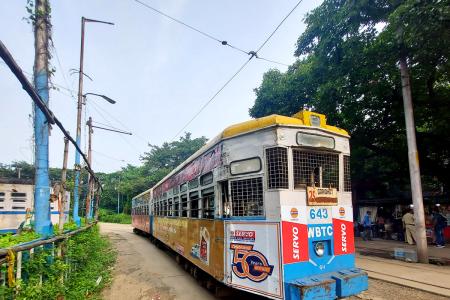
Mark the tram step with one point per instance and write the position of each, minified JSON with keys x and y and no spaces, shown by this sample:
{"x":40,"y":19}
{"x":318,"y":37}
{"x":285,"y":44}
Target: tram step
{"x":329,"y":285}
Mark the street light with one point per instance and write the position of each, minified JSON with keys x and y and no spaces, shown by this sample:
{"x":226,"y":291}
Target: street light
{"x":102,"y":96}
{"x":76,"y":218}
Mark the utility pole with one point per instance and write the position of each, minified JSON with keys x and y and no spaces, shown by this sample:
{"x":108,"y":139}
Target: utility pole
{"x":90,"y":181}
{"x":97,"y":202}
{"x":63,"y":186}
{"x":42,"y":223}
{"x":414,"y":169}
{"x":76,"y":218}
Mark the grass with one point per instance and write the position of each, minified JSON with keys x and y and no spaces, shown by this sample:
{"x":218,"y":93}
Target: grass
{"x":90,"y":259}
{"x":109,"y":216}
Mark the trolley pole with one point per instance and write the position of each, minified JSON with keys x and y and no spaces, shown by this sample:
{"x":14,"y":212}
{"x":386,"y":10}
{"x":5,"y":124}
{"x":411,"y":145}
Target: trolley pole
{"x":414,"y":169}
{"x":43,"y":223}
{"x":90,"y":182}
{"x":76,"y":218}
{"x":63,"y":186}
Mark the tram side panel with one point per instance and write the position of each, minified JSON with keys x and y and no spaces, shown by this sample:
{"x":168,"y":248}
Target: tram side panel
{"x":198,"y":240}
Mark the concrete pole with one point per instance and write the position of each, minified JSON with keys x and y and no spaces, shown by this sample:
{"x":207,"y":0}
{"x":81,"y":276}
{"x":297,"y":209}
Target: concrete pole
{"x":414,"y":169}
{"x":42,"y":223}
{"x":63,"y":186}
{"x":76,"y":195}
{"x":90,"y":181}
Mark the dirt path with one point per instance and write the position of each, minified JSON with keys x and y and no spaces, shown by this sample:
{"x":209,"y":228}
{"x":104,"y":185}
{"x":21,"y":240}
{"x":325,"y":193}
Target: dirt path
{"x":145,"y":272}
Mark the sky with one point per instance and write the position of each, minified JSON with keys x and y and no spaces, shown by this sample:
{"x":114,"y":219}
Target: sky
{"x":159,"y":72}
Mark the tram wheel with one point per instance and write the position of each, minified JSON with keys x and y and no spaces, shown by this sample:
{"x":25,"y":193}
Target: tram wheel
{"x":186,"y":265}
{"x":178,"y":259}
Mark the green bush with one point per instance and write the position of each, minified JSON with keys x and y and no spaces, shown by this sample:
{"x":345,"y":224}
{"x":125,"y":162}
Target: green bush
{"x":109,"y":216}
{"x":9,"y":239}
{"x":87,"y":262}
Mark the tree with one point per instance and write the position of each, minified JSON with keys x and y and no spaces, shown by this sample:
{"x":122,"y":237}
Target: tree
{"x":347,"y":69}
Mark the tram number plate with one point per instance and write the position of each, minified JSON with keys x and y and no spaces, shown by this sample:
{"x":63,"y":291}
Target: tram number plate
{"x":321,"y":196}
{"x":319,"y":215}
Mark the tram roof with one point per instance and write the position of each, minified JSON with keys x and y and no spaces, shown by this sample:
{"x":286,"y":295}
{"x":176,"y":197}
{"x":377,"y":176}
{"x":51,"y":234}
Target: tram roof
{"x":143,"y":193}
{"x":301,"y":119}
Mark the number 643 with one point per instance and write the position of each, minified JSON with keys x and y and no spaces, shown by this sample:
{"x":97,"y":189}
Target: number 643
{"x":319,"y":213}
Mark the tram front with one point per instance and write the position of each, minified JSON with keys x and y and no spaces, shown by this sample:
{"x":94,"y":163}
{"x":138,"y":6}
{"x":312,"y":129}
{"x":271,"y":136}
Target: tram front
{"x":309,"y":173}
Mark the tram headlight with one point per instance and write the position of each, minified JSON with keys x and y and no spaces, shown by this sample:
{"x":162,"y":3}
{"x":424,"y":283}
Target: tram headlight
{"x":319,"y":248}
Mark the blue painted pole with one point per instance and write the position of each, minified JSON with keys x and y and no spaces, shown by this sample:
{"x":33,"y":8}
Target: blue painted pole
{"x":42,"y":224}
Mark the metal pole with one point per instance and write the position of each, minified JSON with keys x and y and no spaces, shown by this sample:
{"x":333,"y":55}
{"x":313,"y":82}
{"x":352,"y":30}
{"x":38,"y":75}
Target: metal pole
{"x":414,"y":169}
{"x":118,"y":199}
{"x":63,"y":186}
{"x":88,"y":197}
{"x":42,"y":223}
{"x":76,"y":218}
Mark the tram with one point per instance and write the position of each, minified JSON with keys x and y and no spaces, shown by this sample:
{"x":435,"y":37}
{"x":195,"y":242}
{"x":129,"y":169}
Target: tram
{"x":17,"y":199}
{"x":264,"y":207}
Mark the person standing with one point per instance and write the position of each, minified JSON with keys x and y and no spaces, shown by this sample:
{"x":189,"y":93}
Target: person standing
{"x":409,"y":227}
{"x":367,"y":224}
{"x":439,"y":222}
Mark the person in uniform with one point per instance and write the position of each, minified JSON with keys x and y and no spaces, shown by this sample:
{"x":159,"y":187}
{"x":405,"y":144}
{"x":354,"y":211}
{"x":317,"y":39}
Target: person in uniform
{"x":409,"y":227}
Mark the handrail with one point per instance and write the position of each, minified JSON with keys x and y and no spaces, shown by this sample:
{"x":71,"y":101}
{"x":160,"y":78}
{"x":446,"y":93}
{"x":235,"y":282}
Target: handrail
{"x":40,"y":242}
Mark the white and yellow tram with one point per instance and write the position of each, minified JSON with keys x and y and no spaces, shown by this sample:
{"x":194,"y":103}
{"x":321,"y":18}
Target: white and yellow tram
{"x":264,"y":207}
{"x":17,"y":198}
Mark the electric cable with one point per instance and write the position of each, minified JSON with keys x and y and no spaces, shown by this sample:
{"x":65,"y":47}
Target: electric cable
{"x":210,"y":36}
{"x":254,"y":54}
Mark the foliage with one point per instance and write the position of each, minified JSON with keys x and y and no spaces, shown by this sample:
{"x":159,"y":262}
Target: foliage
{"x":109,"y":216}
{"x":8,"y":240}
{"x":157,"y":163}
{"x":347,"y":69}
{"x":128,"y":182}
{"x":89,"y":257}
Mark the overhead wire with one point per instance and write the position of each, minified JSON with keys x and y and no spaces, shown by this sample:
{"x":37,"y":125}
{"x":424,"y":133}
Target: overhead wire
{"x":96,"y":108}
{"x":212,"y":98}
{"x":254,"y":54}
{"x":208,"y":35}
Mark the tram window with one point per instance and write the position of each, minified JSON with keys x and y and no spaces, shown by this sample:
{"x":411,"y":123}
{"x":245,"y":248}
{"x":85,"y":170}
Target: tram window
{"x":347,"y":177}
{"x":175,"y":190}
{"x":165,"y":208}
{"x":184,"y":205}
{"x":208,"y":203}
{"x":2,"y":196}
{"x":206,"y":179}
{"x":170,"y":208}
{"x":18,"y":207}
{"x":193,"y":198}
{"x":277,"y":168}
{"x":19,"y":197}
{"x":247,"y":197}
{"x":315,"y":169}
{"x":245,"y":166}
{"x":193,"y":183}
{"x":16,"y":194}
{"x":176,"y":206}
{"x":313,"y":140}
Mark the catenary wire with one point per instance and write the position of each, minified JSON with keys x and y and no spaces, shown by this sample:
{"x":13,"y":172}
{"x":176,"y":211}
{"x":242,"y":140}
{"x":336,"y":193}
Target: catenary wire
{"x":213,"y":97}
{"x":253,"y":54}
{"x":210,"y":36}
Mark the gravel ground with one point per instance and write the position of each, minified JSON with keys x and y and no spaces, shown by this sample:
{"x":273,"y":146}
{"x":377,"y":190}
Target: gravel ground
{"x":381,"y":290}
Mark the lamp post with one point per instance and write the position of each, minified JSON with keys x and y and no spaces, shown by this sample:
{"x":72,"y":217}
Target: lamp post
{"x":76,"y":218}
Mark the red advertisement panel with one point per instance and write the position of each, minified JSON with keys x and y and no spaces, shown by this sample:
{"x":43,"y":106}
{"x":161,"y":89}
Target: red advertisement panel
{"x":344,"y":242}
{"x":295,"y":242}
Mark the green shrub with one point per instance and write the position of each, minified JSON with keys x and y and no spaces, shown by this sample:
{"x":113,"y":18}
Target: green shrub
{"x":9,"y":239}
{"x":88,"y":258}
{"x":109,"y":216}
